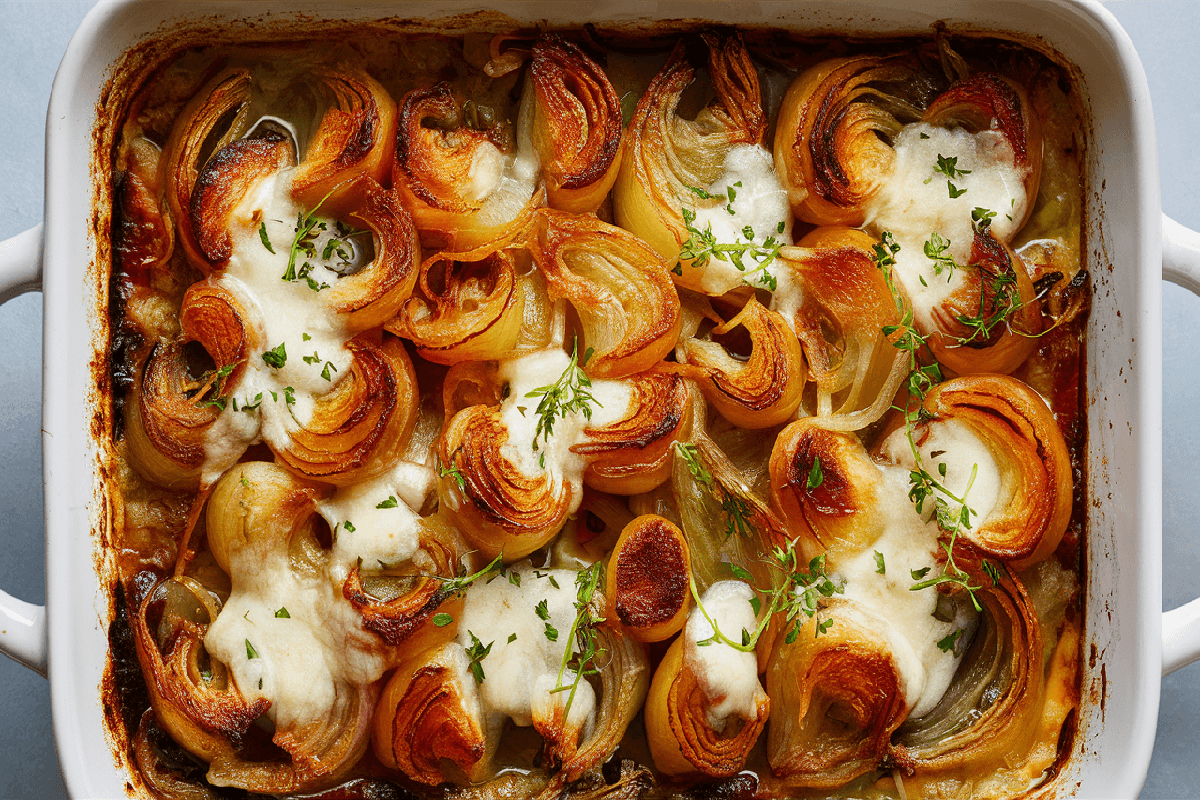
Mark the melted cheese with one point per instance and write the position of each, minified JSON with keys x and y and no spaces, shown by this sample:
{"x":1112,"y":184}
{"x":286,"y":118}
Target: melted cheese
{"x":727,"y":677}
{"x":518,"y":412}
{"x":283,"y":312}
{"x":520,"y":674}
{"x":913,"y":202}
{"x":910,"y":543}
{"x":299,"y":660}
{"x":760,"y":203}
{"x":381,"y":537}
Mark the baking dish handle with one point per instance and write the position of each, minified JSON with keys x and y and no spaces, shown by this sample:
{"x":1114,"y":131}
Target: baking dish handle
{"x":1181,"y":265}
{"x":22,"y":625}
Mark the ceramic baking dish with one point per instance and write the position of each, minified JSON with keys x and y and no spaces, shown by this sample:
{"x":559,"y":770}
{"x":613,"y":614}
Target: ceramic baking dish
{"x":1128,"y":643}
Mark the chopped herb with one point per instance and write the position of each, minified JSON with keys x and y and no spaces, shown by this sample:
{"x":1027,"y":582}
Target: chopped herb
{"x":245,"y":482}
{"x":313,"y":359}
{"x":305,"y":337}
{"x":570,"y":394}
{"x":477,"y":652}
{"x":924,"y":135}
{"x":348,"y":526}
{"x":512,"y":637}
{"x":949,"y":167}
{"x":289,"y":395}
{"x":389,"y":503}
{"x":917,"y":574}
{"x":452,"y":472}
{"x":250,"y":651}
{"x":946,"y":644}
{"x":304,"y":242}
{"x":442,"y":619}
{"x":266,"y":242}
{"x":740,"y":573}
{"x":553,"y":582}
{"x":954,"y":190}
{"x":282,"y":613}
{"x":823,"y":627}
{"x":551,"y":632}
{"x":937,"y":250}
{"x":276,"y":357}
{"x":815,"y":476}
{"x":981,"y":218}
{"x":325,"y":372}
{"x":542,"y":610}
{"x":992,"y":570}
{"x":880,"y":567}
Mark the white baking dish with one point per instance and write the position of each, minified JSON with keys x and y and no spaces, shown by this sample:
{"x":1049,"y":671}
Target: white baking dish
{"x":1124,"y":655}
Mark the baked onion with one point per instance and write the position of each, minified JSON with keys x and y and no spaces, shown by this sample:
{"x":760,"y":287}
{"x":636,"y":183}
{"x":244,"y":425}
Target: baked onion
{"x":577,"y":125}
{"x":667,"y":155}
{"x":758,"y":390}
{"x":627,"y":306}
{"x":648,"y":575}
{"x":463,"y":187}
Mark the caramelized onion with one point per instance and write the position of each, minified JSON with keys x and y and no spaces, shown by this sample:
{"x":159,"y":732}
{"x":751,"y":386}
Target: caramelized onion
{"x":169,"y":413}
{"x":373,"y":295}
{"x":429,"y":713}
{"x":577,"y":125}
{"x":497,"y":507}
{"x":681,"y":741}
{"x":985,"y":101}
{"x":354,"y":140}
{"x":225,"y":96}
{"x":633,"y":454}
{"x":143,"y":238}
{"x":666,"y":154}
{"x":840,"y":515}
{"x":836,"y":699}
{"x":469,"y":307}
{"x":832,"y":148}
{"x":621,"y":290}
{"x":996,"y":282}
{"x":360,"y":427}
{"x":991,"y":709}
{"x":455,"y":181}
{"x":763,"y":389}
{"x":648,"y":576}
{"x":1034,"y":503}
{"x":838,"y":310}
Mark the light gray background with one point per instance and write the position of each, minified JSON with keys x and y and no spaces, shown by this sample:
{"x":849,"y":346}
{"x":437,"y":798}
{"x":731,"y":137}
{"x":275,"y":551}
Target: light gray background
{"x":33,"y":37}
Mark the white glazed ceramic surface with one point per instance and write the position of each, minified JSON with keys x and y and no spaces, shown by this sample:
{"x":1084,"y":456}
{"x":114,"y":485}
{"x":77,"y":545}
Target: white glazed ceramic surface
{"x":1124,"y":653}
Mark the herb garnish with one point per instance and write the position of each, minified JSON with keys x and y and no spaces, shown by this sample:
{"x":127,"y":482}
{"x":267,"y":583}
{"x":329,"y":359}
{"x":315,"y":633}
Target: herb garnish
{"x":442,"y":619}
{"x":282,"y":613}
{"x":738,"y":513}
{"x":923,"y":486}
{"x":250,"y":651}
{"x":391,"y":502}
{"x":477,"y":652}
{"x":947,"y":643}
{"x":570,"y":394}
{"x":453,"y":472}
{"x":797,"y":594}
{"x":880,"y":567}
{"x":702,"y":245}
{"x":815,"y":476}
{"x":276,"y":357}
{"x":266,"y":242}
{"x":582,"y":648}
{"x":937,"y":250}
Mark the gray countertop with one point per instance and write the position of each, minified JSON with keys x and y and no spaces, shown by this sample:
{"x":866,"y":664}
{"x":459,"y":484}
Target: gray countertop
{"x":33,"y":38}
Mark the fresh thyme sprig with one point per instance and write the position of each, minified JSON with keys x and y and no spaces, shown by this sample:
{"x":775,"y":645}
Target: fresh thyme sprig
{"x":797,"y":594}
{"x":308,"y":228}
{"x":459,"y":584}
{"x":582,"y":652}
{"x":923,"y":486}
{"x":937,"y":250}
{"x":702,"y":245}
{"x":738,"y":513}
{"x":570,"y":394}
